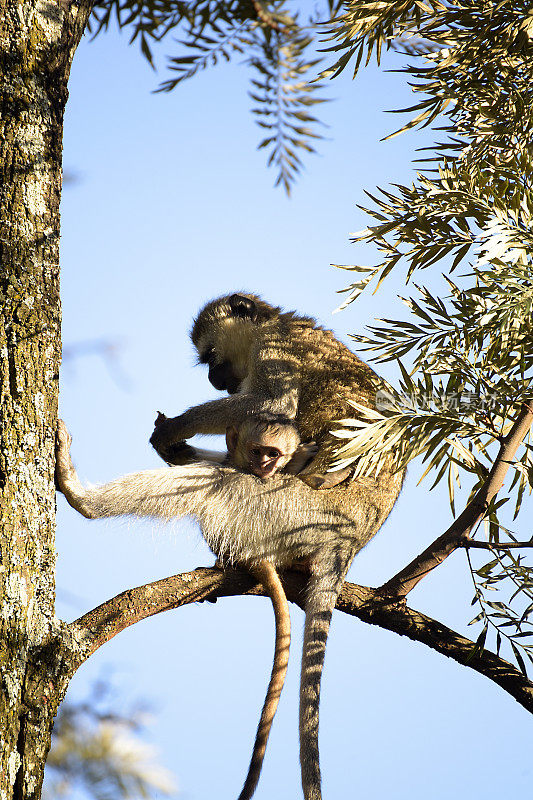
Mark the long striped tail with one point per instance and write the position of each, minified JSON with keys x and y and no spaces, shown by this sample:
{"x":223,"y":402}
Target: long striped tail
{"x":267,"y":574}
{"x":322,"y":596}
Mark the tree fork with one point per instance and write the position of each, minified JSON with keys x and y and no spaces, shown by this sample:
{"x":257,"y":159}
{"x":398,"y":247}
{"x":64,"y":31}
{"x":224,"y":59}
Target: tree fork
{"x":37,"y":42}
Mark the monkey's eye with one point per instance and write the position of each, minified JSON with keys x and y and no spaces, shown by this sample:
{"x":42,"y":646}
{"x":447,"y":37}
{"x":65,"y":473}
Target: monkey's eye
{"x":256,"y":451}
{"x":208,"y":356}
{"x":273,"y":453}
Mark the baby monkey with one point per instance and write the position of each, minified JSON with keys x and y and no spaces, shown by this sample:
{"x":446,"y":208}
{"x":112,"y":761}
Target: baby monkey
{"x":265,"y":444}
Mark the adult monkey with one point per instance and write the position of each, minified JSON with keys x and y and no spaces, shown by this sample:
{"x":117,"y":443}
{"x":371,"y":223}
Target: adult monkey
{"x":278,"y":363}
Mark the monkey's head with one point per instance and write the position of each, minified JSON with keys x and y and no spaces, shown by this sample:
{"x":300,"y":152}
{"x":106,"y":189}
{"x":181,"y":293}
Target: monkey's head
{"x":262,"y":444}
{"x":223,"y":334}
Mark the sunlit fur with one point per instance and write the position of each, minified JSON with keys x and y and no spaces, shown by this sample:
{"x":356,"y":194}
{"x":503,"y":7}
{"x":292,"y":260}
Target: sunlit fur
{"x":289,"y":366}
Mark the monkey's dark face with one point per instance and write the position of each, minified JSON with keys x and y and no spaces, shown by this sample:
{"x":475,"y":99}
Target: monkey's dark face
{"x":222,"y":377}
{"x":221,"y":373}
{"x":223,"y":334}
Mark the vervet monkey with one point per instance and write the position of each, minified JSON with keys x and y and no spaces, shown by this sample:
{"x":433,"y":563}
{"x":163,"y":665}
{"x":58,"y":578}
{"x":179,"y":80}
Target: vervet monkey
{"x":265,"y":444}
{"x":278,"y":363}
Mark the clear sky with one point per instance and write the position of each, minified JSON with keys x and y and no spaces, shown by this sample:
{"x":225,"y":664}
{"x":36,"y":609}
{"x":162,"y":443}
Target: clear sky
{"x":173,"y":206}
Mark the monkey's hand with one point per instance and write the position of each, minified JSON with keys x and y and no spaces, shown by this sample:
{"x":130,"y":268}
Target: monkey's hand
{"x":177,"y":452}
{"x":180,"y":453}
{"x":303,"y":454}
{"x":326,"y":480}
{"x":167,"y":442}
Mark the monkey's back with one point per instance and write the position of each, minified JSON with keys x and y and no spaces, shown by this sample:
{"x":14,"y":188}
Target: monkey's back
{"x":329,"y":376}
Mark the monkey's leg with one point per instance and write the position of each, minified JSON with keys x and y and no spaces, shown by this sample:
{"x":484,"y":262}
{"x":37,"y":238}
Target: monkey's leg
{"x":267,"y":574}
{"x":164,"y":493}
{"x":66,"y":475}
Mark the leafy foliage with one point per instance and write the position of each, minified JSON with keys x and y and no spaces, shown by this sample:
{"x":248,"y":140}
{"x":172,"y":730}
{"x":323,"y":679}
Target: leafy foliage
{"x":99,"y":750}
{"x":271,"y":40}
{"x":469,"y":213}
{"x":507,"y":620}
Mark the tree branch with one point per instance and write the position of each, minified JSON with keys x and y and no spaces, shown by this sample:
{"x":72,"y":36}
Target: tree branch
{"x":103,"y":623}
{"x":404,"y":581}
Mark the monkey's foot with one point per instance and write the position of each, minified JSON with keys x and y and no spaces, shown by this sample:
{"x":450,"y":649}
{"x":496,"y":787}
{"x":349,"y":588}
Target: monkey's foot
{"x":327,"y":480}
{"x":64,"y":466}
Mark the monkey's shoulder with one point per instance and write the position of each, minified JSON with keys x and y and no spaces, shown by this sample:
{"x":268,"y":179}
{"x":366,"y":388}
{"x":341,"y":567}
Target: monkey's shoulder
{"x":309,"y":344}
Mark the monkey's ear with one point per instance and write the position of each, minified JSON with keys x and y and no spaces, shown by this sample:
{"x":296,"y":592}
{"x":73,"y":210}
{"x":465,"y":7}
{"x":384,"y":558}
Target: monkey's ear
{"x":232,"y":437}
{"x":242,"y":306}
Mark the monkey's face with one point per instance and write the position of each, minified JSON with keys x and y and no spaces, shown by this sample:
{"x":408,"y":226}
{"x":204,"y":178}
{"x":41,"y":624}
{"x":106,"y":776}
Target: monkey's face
{"x":223,"y":378}
{"x":264,"y":460}
{"x":223,"y":334}
{"x":261,"y":446}
{"x":226,"y":353}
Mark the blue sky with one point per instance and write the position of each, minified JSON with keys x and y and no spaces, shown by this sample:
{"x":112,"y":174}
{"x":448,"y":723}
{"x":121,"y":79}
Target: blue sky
{"x":173,"y":206}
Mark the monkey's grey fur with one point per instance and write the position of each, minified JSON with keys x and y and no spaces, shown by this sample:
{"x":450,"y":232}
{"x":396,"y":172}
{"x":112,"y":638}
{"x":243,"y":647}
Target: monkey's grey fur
{"x":283,"y":364}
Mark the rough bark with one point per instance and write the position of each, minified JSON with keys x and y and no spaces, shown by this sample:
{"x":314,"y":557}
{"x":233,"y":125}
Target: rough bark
{"x":37,"y":42}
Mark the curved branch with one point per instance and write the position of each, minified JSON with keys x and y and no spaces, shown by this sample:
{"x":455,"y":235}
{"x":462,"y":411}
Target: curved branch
{"x":101,"y":624}
{"x":401,"y":584}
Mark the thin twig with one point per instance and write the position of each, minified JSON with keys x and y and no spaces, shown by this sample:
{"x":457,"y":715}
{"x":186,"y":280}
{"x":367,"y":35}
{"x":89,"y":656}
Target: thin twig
{"x":266,"y":18}
{"x":475,"y":544}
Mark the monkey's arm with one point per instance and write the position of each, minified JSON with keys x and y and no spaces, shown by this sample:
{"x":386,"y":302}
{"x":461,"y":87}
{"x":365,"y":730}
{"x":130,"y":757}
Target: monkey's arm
{"x":183,"y":453}
{"x":217,"y":415}
{"x":271,"y":385}
{"x":213,"y":456}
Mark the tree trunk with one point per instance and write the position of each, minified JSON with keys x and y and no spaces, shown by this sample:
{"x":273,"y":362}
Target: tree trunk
{"x":37,"y":42}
